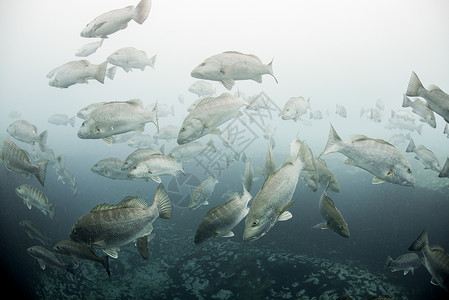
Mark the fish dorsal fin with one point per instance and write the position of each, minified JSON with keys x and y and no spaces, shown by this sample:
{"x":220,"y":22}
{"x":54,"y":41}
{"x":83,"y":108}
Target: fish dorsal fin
{"x":383,"y":142}
{"x":437,"y":248}
{"x":233,"y":52}
{"x":111,"y":252}
{"x":255,"y":57}
{"x":359,"y":137}
{"x":103,"y":206}
{"x":132,"y":202}
{"x":136,"y":102}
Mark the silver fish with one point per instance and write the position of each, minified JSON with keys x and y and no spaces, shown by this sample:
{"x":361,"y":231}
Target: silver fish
{"x":325,"y":175}
{"x":35,"y":232}
{"x":33,"y":197}
{"x":309,"y":173}
{"x":18,"y":160}
{"x":208,"y":115}
{"x":46,"y":257}
{"x":62,"y":119}
{"x":78,"y":71}
{"x":114,"y":118}
{"x":89,"y":48}
{"x":437,"y":100}
{"x":249,"y":174}
{"x":406,"y":263}
{"x":117,"y":19}
{"x":26,"y":132}
{"x":132,"y":159}
{"x":445,"y":170}
{"x":168,"y":133}
{"x":294,"y":108}
{"x":273,"y":200}
{"x":229,"y":66}
{"x":129,"y":58}
{"x":202,"y":88}
{"x":112,"y":226}
{"x":155,"y":165}
{"x":220,"y":220}
{"x":202,"y":193}
{"x":436,"y":260}
{"x":77,"y":251}
{"x":111,"y":168}
{"x":190,"y":150}
{"x":390,"y":166}
{"x":425,"y":156}
{"x":341,"y":111}
{"x":422,"y":109}
{"x":333,"y":219}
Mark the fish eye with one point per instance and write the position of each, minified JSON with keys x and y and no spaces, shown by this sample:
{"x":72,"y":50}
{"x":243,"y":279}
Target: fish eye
{"x":255,"y":223}
{"x":409,"y":170}
{"x":135,"y":167}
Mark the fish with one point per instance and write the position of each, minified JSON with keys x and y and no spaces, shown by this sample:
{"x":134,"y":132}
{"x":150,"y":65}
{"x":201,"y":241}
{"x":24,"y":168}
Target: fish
{"x":129,"y":58}
{"x":26,"y":132}
{"x":208,"y":115}
{"x":445,"y":170}
{"x":271,"y":203}
{"x":229,"y":66}
{"x":373,"y":114}
{"x":163,"y":110}
{"x":270,"y":164}
{"x":333,"y":218}
{"x":154,"y":166}
{"x":202,"y":88}
{"x":33,"y":197}
{"x":110,"y":168}
{"x":294,"y":108}
{"x":391,"y":165}
{"x":202,"y":193}
{"x":89,"y":48}
{"x":65,"y":175}
{"x":46,"y":257}
{"x":111,"y":226}
{"x":77,"y":71}
{"x":405,"y":262}
{"x":436,"y":260}
{"x":422,"y":109}
{"x":117,"y":19}
{"x":317,"y":115}
{"x":437,"y":100}
{"x":326,"y":177}
{"x":131,"y":160}
{"x":140,"y":141}
{"x":62,"y":119}
{"x":18,"y":160}
{"x":114,"y":118}
{"x":35,"y":232}
{"x":76,"y":251}
{"x":399,"y":138}
{"x":309,"y":173}
{"x":403,"y":122}
{"x":168,"y":133}
{"x":219,"y":221}
{"x":425,"y":156}
{"x":341,"y":111}
{"x":249,"y":174}
{"x":187,"y":151}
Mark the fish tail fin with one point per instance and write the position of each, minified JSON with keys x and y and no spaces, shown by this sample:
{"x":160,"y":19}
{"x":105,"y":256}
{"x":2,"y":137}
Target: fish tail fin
{"x":41,"y":172}
{"x":388,"y":262}
{"x":270,"y":69}
{"x":151,"y":61}
{"x":414,"y":86}
{"x":105,"y":263}
{"x":141,"y":11}
{"x":420,"y":242}
{"x":156,"y":120}
{"x":110,"y":73}
{"x":445,"y":170}
{"x":334,"y":142}
{"x":411,"y":146}
{"x":101,"y":72}
{"x":43,"y":138}
{"x":163,"y":202}
{"x":72,"y":121}
{"x":406,"y":101}
{"x":51,"y":211}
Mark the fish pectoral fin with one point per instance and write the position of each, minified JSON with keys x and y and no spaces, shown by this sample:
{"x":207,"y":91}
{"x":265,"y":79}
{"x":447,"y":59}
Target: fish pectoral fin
{"x":216,"y":131}
{"x":286,"y":215}
{"x":405,"y":272}
{"x":228,"y":234}
{"x":156,"y":179}
{"x":112,"y":252}
{"x":97,"y":26}
{"x":377,"y":180}
{"x":321,"y":226}
{"x":205,"y":203}
{"x":349,"y":162}
{"x":41,"y":263}
{"x":433,"y":281}
{"x":27,"y":204}
{"x":228,"y":83}
{"x":108,"y":140}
